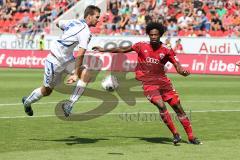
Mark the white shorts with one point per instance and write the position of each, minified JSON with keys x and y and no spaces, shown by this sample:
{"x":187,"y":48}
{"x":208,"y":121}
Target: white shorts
{"x":53,"y":71}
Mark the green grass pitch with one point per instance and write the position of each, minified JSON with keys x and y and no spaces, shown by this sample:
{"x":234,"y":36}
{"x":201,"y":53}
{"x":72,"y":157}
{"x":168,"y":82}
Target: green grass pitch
{"x":127,"y":132}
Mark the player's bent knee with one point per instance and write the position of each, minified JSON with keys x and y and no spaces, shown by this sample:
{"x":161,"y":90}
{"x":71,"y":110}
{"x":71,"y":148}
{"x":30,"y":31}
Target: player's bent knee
{"x":46,"y":91}
{"x":175,"y":101}
{"x":158,"y":102}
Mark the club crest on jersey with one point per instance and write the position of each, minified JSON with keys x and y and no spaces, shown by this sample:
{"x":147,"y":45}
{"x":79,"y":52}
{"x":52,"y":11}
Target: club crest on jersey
{"x":161,"y":55}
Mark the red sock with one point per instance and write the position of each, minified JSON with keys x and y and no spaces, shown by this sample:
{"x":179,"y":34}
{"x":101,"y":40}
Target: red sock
{"x":168,"y":121}
{"x":187,"y":126}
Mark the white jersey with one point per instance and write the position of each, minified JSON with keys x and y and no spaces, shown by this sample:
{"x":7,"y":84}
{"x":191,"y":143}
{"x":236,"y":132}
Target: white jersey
{"x":75,"y":32}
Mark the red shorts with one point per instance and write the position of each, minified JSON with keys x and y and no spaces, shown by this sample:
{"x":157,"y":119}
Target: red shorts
{"x":159,"y":92}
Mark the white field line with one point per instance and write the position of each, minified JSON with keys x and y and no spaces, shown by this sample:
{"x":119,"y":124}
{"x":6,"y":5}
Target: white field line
{"x":123,"y":113}
{"x":121,"y":101}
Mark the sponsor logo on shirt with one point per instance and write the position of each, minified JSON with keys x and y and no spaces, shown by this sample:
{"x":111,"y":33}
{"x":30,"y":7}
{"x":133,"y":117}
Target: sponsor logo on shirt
{"x":161,"y":55}
{"x":152,"y":60}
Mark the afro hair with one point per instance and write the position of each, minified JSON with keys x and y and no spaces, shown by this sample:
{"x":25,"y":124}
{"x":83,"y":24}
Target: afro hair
{"x":156,"y":25}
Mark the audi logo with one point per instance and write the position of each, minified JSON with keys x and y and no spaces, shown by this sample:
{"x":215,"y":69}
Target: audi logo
{"x":152,"y":60}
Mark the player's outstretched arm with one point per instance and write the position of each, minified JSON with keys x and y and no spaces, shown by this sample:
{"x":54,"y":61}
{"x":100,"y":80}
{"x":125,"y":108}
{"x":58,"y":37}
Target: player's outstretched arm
{"x":79,"y":60}
{"x":180,"y":69}
{"x":114,"y":50}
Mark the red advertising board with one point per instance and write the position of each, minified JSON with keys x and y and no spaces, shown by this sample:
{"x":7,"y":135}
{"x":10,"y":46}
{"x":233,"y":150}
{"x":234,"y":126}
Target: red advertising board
{"x":22,"y":58}
{"x":196,"y":63}
{"x":209,"y":64}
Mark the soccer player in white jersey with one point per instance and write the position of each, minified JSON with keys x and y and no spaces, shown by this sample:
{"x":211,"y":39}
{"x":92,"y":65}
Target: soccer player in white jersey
{"x":75,"y":33}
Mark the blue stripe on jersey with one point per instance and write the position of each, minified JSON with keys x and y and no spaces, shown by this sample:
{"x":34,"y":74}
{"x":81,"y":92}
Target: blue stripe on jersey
{"x":68,"y":45}
{"x":51,"y":66}
{"x":52,"y":69}
{"x":75,"y":33}
{"x":51,"y":72}
{"x":65,"y":45}
{"x":83,"y":21}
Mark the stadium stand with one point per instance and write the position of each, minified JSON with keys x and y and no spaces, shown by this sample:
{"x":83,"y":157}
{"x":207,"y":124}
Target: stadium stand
{"x":29,"y":17}
{"x":192,"y":18}
{"x":205,"y":18}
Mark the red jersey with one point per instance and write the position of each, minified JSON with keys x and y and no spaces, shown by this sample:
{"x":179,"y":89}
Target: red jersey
{"x":178,"y":48}
{"x":150,"y":67}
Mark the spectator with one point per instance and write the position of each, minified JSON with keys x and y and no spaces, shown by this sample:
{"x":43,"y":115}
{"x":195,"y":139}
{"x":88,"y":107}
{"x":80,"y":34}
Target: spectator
{"x":124,"y":10}
{"x":178,"y":48}
{"x":152,"y":4}
{"x":141,"y":20}
{"x":221,"y":10}
{"x":197,"y":4}
{"x":185,"y":20}
{"x":172,"y":29}
{"x":134,"y":9}
{"x":216,"y":23}
{"x":149,"y":17}
{"x":42,"y":42}
{"x":111,"y":3}
{"x":168,"y":42}
{"x":123,"y":22}
{"x":191,"y":32}
{"x":161,"y":10}
{"x":236,"y":19}
{"x":132,"y":24}
{"x":201,"y":22}
{"x":116,"y":19}
{"x":37,"y":4}
{"x":130,"y":3}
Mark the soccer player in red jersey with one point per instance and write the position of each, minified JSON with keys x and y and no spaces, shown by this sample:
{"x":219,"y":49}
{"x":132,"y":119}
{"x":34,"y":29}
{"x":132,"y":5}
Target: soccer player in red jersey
{"x":152,"y":56}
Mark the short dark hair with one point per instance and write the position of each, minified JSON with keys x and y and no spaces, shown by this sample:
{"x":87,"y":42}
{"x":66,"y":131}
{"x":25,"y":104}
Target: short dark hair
{"x":90,"y":10}
{"x":156,"y":25}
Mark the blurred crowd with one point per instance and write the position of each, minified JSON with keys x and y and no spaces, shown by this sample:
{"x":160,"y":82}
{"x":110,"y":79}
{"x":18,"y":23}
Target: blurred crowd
{"x":191,"y":18}
{"x":29,"y":17}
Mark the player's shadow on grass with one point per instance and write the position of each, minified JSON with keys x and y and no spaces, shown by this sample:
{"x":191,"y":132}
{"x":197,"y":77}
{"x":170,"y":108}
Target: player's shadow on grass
{"x":73,"y":140}
{"x":160,"y":140}
{"x":163,"y":140}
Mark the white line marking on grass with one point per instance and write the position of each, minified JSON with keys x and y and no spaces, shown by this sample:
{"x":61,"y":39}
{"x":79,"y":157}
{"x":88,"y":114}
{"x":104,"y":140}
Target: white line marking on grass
{"x":121,"y":101}
{"x":123,"y":113}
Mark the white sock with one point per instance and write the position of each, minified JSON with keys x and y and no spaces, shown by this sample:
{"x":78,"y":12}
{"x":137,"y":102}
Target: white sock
{"x":78,"y":91}
{"x":33,"y":97}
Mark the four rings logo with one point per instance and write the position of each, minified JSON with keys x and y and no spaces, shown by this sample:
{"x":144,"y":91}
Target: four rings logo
{"x":152,"y":60}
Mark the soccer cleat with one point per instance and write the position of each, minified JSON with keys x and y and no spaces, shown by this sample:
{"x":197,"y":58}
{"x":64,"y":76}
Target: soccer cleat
{"x":28,"y":109}
{"x":195,"y":141}
{"x":67,"y":108}
{"x":176,"y":138}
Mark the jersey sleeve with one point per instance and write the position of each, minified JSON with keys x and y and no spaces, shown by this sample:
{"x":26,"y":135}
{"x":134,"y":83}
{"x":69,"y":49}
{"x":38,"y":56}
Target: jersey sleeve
{"x":84,"y":38}
{"x":172,"y":56}
{"x":136,"y":47}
